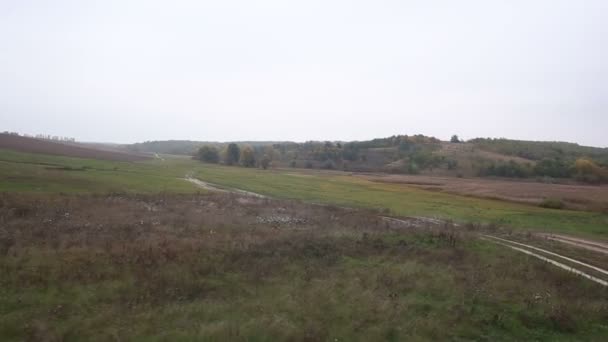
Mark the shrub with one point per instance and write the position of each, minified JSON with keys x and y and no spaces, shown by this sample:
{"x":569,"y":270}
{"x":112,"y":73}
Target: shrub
{"x":232,"y":154}
{"x":452,"y":164}
{"x":208,"y":154}
{"x":589,"y":172}
{"x":552,"y":203}
{"x":247,"y":157}
{"x":329,"y":165}
{"x":265,"y":162}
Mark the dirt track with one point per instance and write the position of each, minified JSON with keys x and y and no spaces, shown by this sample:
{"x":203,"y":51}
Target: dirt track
{"x":551,"y":261}
{"x":590,"y":245}
{"x":213,"y":187}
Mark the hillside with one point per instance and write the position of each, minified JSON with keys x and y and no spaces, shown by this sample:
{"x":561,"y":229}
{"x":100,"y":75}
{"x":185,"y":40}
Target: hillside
{"x":32,"y":145}
{"x":538,"y":150}
{"x":419,"y":154}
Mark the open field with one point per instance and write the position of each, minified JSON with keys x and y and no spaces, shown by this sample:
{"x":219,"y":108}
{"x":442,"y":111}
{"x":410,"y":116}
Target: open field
{"x":574,"y":196}
{"x":27,"y":172}
{"x":403,"y":199}
{"x":22,"y":172}
{"x":31,"y":145}
{"x":107,"y":250}
{"x":224,"y":267}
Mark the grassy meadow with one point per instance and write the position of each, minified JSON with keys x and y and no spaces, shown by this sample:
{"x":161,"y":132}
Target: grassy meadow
{"x":27,"y":172}
{"x":403,"y":200}
{"x":22,"y":172}
{"x":217,"y":267}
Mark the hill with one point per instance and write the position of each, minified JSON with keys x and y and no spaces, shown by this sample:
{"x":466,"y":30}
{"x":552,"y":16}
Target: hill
{"x":419,"y":154}
{"x":539,"y":150}
{"x":32,"y":145}
{"x":186,"y":147}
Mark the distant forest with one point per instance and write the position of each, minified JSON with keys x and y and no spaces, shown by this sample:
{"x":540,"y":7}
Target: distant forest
{"x":415,"y":154}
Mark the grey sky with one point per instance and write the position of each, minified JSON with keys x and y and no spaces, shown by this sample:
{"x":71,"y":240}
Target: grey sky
{"x":129,"y":71}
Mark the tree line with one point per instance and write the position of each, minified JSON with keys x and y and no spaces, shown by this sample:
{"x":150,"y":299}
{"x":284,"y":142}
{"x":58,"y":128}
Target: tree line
{"x":233,"y":154}
{"x":582,"y":169}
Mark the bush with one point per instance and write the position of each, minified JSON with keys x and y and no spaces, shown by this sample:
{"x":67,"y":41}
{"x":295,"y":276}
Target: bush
{"x":329,"y":165}
{"x":412,"y":168}
{"x":208,"y":154}
{"x":555,"y":168}
{"x":589,"y":172}
{"x":232,"y":154}
{"x":552,"y":203}
{"x":265,"y":162}
{"x":452,"y":164}
{"x":510,"y":169}
{"x":247,"y":157}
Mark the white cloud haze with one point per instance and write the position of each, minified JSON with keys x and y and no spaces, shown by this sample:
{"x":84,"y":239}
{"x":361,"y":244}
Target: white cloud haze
{"x":128,"y":71}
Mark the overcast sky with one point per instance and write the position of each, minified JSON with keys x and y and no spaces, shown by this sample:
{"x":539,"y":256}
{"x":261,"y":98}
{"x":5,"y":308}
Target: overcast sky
{"x":127,"y":71}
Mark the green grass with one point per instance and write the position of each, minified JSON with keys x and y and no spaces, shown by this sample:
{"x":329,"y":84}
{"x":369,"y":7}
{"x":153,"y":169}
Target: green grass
{"x":403,"y":200}
{"x":161,"y":275}
{"x":22,"y":172}
{"x":25,"y":172}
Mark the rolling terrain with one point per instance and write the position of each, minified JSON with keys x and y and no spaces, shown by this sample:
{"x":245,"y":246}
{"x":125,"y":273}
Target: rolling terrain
{"x":96,"y":249}
{"x":549,"y":162}
{"x":31,"y":145}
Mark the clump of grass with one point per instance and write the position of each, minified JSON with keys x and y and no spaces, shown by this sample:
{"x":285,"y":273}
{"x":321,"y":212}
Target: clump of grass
{"x":552,"y":203}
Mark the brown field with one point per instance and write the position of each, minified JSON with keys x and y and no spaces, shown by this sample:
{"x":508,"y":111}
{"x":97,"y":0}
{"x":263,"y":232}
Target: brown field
{"x":574,"y":196}
{"x":30,"y":145}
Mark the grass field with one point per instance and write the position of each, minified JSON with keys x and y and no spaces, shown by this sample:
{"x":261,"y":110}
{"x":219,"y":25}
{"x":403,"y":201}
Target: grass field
{"x":99,"y":250}
{"x":22,"y":172}
{"x":223,"y":268}
{"x":404,"y":200}
{"x":25,"y":172}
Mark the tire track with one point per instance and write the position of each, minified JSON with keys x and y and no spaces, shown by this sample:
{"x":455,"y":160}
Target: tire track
{"x":582,"y":243}
{"x":553,"y":262}
{"x":414,"y":220}
{"x":550,"y":253}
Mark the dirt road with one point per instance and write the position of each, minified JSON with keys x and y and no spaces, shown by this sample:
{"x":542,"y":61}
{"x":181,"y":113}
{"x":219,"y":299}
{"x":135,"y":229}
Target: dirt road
{"x":590,"y":245}
{"x":213,"y":187}
{"x":550,"y":261}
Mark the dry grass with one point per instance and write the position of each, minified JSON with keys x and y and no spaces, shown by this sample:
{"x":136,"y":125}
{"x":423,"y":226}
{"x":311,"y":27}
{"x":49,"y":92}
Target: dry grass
{"x":578,"y":197}
{"x":31,"y":145}
{"x":224,"y":267}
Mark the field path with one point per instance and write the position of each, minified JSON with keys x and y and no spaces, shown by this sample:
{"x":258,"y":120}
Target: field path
{"x":517,"y":246}
{"x":591,"y":245}
{"x":548,"y":252}
{"x":524,"y":248}
{"x":551,"y":261}
{"x":213,"y":187}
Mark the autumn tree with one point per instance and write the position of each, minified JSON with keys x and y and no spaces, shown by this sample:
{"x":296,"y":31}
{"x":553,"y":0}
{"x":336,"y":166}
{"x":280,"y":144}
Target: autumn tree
{"x":208,"y":154}
{"x":588,"y":171}
{"x":247,"y":157}
{"x":232,"y":154}
{"x":265,"y":162}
